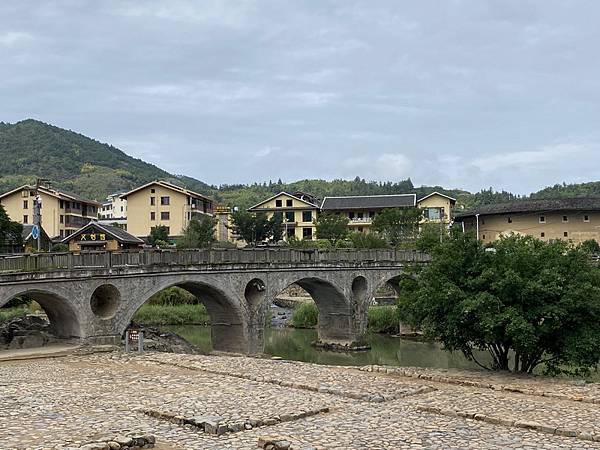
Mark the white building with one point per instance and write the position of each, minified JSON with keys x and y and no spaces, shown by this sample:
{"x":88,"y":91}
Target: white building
{"x":113,"y":211}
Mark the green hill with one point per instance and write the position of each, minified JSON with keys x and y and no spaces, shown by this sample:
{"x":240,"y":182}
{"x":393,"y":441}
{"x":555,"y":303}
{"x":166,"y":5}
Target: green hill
{"x":73,"y":162}
{"x":30,"y":149}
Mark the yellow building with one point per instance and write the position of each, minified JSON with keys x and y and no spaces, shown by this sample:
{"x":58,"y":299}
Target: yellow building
{"x":62,"y":213}
{"x":160,"y":203}
{"x":576,"y":219}
{"x":437,"y":208}
{"x":362,"y":209}
{"x":298,"y":212}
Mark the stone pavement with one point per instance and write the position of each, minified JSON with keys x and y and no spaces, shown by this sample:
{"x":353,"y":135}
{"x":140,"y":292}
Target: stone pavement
{"x":221,"y":402}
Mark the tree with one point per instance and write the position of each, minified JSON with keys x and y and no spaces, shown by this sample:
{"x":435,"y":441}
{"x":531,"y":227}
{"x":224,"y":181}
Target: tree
{"x":252,"y":228}
{"x":331,"y":226}
{"x":398,"y":225}
{"x":524,"y":301}
{"x":276,"y":227}
{"x":591,"y":246}
{"x":11,"y":233}
{"x":159,"y":235}
{"x":430,"y":235}
{"x":367,"y":240}
{"x":199,"y":233}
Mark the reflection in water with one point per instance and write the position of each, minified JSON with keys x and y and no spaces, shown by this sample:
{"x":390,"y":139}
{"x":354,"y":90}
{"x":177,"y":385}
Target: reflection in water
{"x":295,"y":344}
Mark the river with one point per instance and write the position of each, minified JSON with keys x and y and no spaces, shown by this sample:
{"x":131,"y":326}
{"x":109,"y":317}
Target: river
{"x":295,"y":344}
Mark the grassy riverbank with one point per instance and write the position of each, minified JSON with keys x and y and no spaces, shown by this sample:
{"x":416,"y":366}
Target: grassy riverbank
{"x":184,"y":314}
{"x":381,"y":319}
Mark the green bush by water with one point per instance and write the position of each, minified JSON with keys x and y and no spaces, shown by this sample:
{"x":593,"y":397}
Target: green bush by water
{"x":381,"y":319}
{"x":305,"y":316}
{"x":184,"y":314}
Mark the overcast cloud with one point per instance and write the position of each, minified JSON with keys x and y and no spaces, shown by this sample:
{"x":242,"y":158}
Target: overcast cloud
{"x":465,"y":94}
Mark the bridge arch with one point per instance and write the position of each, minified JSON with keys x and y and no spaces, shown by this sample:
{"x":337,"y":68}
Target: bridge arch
{"x":227,"y":315}
{"x":63,"y":315}
{"x":336,"y":311}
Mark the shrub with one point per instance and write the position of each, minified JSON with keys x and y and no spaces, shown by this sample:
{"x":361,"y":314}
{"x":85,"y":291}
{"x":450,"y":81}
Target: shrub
{"x":172,"y":296}
{"x":7,"y":314}
{"x":183,"y":314}
{"x":383,"y":319}
{"x":305,"y":316}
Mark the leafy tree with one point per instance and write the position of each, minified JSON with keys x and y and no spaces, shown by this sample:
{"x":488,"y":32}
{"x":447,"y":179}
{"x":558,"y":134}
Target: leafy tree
{"x":431,"y":235}
{"x":591,"y":246}
{"x":11,"y":233}
{"x":276,"y":227}
{"x":158,"y":233}
{"x":367,"y":240}
{"x":331,"y":226}
{"x":252,"y":228}
{"x":398,"y":225}
{"x":524,"y":301}
{"x":199,"y":233}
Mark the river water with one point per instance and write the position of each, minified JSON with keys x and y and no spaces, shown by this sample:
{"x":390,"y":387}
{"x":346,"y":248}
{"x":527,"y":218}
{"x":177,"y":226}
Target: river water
{"x":295,"y":344}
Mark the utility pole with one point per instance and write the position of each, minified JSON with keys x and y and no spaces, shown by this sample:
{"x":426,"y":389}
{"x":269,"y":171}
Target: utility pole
{"x":37,"y":212}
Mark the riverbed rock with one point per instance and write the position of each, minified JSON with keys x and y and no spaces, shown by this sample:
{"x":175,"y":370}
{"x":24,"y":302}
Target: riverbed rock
{"x":164,"y":341}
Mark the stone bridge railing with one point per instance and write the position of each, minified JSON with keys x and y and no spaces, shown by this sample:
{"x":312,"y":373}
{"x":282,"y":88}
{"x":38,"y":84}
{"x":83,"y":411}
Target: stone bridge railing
{"x":21,"y":263}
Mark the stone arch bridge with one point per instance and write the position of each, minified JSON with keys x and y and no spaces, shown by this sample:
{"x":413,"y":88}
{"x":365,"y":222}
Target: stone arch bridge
{"x":93,"y":296}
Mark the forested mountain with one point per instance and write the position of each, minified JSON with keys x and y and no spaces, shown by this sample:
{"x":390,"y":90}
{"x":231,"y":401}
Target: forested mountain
{"x":73,"y":162}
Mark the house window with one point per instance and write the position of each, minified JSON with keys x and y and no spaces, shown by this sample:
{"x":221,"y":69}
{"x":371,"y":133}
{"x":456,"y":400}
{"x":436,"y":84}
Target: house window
{"x":278,"y":203}
{"x":510,"y":220}
{"x":351,"y":215}
{"x":152,"y":201}
{"x":542,"y":219}
{"x":61,"y":204}
{"x":360,"y":229}
{"x":152,"y":215}
{"x":164,"y":215}
{"x":371,"y":214}
{"x":289,"y":202}
{"x":291,"y":232}
{"x":290,"y":216}
{"x":62,"y":233}
{"x":25,"y":219}
{"x":306,"y":216}
{"x":586,"y":218}
{"x":360,"y":216}
{"x":566,"y":234}
{"x":542,"y":234}
{"x":152,"y":191}
{"x":25,"y":204}
{"x":165,"y":200}
{"x":482,"y":221}
{"x":565,"y":218}
{"x":307,"y":233}
{"x":62,"y":219}
{"x":432,"y":214}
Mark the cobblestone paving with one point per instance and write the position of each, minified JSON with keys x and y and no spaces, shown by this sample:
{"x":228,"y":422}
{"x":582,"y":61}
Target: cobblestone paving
{"x":55,"y":403}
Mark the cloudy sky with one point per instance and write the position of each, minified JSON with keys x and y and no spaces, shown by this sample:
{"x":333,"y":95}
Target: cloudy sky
{"x":460,"y":93}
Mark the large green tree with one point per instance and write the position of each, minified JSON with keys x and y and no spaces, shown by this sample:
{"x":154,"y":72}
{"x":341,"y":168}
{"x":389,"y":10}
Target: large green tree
{"x":11,"y":233}
{"x":199,"y":233}
{"x":398,"y":225}
{"x":332,"y":227}
{"x":524,"y":301}
{"x":252,"y":228}
{"x":159,"y":235}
